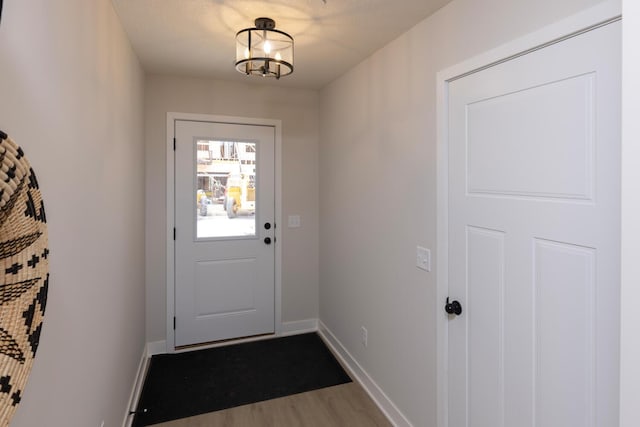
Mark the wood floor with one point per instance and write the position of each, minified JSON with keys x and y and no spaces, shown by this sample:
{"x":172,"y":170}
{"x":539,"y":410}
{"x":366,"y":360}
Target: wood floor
{"x":341,"y":405}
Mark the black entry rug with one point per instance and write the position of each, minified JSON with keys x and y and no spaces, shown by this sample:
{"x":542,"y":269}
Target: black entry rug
{"x":186,"y":384}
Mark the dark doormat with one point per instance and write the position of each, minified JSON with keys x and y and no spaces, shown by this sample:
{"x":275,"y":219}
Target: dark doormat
{"x":197,"y":382}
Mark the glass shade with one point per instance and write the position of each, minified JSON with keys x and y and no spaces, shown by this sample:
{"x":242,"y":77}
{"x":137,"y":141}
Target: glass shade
{"x":265,"y":52}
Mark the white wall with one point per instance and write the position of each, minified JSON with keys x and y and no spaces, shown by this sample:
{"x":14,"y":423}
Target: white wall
{"x":378,"y":191}
{"x":71,"y":93}
{"x":630,"y":352}
{"x":298,"y":110}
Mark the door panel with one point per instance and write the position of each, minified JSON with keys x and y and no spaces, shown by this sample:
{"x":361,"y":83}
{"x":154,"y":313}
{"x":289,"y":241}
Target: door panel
{"x":547,"y":127}
{"x":236,"y":279}
{"x":224,"y":193}
{"x":486,"y":288}
{"x":534,"y":205}
{"x":564,"y":283}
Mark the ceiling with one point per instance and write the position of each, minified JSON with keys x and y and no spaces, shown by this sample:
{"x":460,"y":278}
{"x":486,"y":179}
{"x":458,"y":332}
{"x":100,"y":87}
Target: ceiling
{"x":197,"y":37}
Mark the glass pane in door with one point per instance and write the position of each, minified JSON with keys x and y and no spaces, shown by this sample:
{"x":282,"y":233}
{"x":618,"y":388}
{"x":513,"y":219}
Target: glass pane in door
{"x":225,"y":199}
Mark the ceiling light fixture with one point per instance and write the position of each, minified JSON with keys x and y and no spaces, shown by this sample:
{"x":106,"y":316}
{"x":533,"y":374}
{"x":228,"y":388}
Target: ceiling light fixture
{"x":264,"y":51}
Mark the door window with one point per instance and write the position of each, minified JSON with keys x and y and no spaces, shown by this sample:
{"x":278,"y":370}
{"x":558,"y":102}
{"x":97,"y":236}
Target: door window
{"x":225,"y":197}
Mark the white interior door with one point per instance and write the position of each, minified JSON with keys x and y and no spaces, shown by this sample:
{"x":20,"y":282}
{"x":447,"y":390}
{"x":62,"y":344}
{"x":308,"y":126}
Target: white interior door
{"x":224,"y":243}
{"x":534,"y":207}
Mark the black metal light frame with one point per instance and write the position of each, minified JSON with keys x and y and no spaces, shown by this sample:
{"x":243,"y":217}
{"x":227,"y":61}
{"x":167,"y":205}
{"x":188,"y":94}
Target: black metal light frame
{"x":263,"y":65}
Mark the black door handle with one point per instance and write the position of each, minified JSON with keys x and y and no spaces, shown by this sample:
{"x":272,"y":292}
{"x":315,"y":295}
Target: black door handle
{"x":453,"y":308}
{"x":267,"y":226}
{"x":267,"y":240}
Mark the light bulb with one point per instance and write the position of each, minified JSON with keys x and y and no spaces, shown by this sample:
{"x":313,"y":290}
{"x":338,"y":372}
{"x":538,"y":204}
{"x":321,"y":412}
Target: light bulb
{"x":267,"y":47}
{"x":278,"y":56}
{"x":246,"y":53}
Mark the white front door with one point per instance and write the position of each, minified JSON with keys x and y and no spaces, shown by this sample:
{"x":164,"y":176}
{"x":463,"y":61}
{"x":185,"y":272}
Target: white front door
{"x":534,"y":207}
{"x":224,"y":242}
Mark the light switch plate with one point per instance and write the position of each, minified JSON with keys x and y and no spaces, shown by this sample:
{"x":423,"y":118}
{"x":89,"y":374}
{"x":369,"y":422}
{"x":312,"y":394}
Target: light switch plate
{"x":423,"y":258}
{"x":294,"y":221}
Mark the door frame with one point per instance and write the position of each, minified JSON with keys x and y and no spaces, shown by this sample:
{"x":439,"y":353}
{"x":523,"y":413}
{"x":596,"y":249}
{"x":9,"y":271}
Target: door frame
{"x":587,"y":20}
{"x":170,"y":211}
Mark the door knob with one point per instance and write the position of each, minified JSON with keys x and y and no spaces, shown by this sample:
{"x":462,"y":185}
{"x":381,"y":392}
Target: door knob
{"x":267,"y":226}
{"x":453,"y":307}
{"x":267,"y":240}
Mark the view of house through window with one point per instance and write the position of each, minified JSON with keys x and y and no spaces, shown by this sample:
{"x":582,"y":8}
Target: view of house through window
{"x":225,"y":198}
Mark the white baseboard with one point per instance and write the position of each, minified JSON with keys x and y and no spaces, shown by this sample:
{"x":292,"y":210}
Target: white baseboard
{"x":134,"y":397}
{"x":299,"y":327}
{"x":375,"y":392}
{"x":156,"y":347}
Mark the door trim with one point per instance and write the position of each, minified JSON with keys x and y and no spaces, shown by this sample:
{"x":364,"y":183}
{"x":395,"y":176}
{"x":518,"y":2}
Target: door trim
{"x":587,"y":20}
{"x":170,"y":188}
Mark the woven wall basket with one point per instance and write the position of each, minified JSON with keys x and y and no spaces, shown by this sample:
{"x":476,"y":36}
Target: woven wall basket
{"x":24,"y":273}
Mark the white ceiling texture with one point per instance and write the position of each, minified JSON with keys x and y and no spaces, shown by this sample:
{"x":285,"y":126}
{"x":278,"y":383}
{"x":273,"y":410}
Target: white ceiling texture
{"x":197,"y":37}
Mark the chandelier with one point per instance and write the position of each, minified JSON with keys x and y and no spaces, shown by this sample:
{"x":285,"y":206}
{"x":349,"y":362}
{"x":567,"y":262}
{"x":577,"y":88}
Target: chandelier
{"x":264,"y":51}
